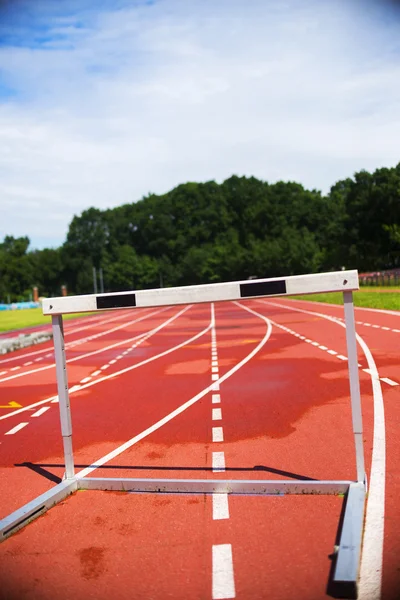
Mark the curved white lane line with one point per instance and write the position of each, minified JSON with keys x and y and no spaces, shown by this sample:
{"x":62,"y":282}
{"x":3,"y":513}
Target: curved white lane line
{"x":93,"y":352}
{"x":67,"y":331}
{"x":370,"y":582}
{"x":77,"y":388}
{"x":186,"y":405}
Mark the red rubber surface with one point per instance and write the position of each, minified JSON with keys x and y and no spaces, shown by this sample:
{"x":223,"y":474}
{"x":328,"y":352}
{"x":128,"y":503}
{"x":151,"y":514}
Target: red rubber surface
{"x":285,"y":413}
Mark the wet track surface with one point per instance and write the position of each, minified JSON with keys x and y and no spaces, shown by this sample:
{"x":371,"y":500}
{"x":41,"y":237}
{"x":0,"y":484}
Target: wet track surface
{"x":282,"y":410}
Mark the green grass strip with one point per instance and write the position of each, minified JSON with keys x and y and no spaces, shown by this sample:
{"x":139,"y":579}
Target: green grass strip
{"x":380,"y":298}
{"x":28,"y":317}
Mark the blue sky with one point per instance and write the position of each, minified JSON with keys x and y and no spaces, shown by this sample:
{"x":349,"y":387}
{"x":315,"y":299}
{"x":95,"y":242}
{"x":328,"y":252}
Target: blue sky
{"x":102,"y":102}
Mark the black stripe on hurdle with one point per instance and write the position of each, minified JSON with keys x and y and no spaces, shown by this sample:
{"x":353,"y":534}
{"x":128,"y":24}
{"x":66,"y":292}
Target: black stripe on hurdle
{"x":123,"y":301}
{"x":263,"y":288}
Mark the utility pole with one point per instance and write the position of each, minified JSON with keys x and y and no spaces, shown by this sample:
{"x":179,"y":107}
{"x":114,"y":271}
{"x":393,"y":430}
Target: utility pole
{"x":101,"y":281}
{"x":94,"y":281}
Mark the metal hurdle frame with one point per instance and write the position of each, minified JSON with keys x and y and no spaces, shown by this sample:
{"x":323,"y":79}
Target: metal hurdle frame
{"x":349,"y":550}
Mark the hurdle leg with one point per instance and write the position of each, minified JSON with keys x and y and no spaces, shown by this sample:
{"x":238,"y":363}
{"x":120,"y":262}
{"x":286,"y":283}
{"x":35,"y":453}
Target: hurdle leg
{"x":354,"y":384}
{"x":63,"y":396}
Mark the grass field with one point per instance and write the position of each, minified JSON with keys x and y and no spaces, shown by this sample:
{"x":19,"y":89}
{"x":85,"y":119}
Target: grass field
{"x":367,"y":297}
{"x":17,"y":319}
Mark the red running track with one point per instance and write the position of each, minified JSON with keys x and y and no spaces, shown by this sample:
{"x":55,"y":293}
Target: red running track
{"x":284,"y":413}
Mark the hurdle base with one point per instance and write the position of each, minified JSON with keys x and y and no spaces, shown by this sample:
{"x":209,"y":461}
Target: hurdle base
{"x":349,"y":549}
{"x":27,"y":513}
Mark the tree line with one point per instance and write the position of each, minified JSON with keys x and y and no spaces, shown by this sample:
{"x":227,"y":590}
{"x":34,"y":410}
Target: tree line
{"x":209,"y":232}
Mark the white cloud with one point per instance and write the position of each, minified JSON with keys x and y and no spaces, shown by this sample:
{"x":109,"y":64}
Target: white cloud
{"x":116,"y":103}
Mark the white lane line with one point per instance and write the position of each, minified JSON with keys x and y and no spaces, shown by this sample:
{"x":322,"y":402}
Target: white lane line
{"x":28,"y":363}
{"x":214,"y":377}
{"x":223,"y":582}
{"x":389,"y":381}
{"x":386,"y":328}
{"x":332,"y":352}
{"x":16,"y":428}
{"x":216,"y":414}
{"x":218,"y":462}
{"x":217,"y":434}
{"x":323,"y":348}
{"x":95,"y":373}
{"x":85,"y":380}
{"x":341,"y":357}
{"x":214,"y":363}
{"x":15,"y":368}
{"x":3,"y":373}
{"x":214,"y":369}
{"x":370,"y":577}
{"x":112,"y":362}
{"x":126,"y":370}
{"x":104,"y":367}
{"x":214,"y":386}
{"x":93,"y":352}
{"x":40,"y":411}
{"x":220,"y":506}
{"x":216,"y":398}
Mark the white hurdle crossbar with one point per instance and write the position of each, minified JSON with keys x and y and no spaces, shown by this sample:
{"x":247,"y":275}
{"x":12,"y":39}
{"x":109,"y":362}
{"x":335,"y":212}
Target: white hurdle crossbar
{"x":348,"y":552}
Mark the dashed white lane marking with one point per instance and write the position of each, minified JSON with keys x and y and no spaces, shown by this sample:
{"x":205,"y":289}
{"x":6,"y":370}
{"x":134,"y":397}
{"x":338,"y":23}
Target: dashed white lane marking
{"x":95,"y":373}
{"x":215,"y":387}
{"x":112,"y":362}
{"x":41,"y":411}
{"x":370,"y":576}
{"x":332,"y":352}
{"x":104,"y":367}
{"x":341,"y":357}
{"x":15,"y":368}
{"x":218,"y":461}
{"x":217,"y":434}
{"x":214,"y":369}
{"x":3,"y":373}
{"x":216,"y":398}
{"x":216,"y":414}
{"x":223,"y":583}
{"x":220,"y":507}
{"x":214,"y":377}
{"x":16,"y":429}
{"x":28,"y":363}
{"x":85,"y":379}
{"x":389,"y":381}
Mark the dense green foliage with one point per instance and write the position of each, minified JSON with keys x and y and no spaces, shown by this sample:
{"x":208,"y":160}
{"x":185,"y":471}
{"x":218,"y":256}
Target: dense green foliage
{"x":207,"y":232}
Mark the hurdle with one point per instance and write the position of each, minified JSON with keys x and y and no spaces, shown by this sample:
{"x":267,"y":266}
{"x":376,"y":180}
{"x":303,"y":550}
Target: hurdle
{"x":348,"y":552}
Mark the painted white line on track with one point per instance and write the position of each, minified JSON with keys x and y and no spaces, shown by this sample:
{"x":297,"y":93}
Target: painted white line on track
{"x":112,"y":362}
{"x":214,"y":369}
{"x":28,"y":363}
{"x":332,"y":352}
{"x":93,"y":352}
{"x":223,"y":582}
{"x":85,"y":379}
{"x":389,"y":381}
{"x":218,"y":462}
{"x":214,"y":386}
{"x":216,"y":398}
{"x":370,"y":577}
{"x":220,"y":507}
{"x":95,"y":373}
{"x":341,"y":357}
{"x":126,"y":370}
{"x":216,"y":414}
{"x":15,"y":368}
{"x":217,"y":434}
{"x":214,"y":377}
{"x":16,"y":429}
{"x":41,"y":411}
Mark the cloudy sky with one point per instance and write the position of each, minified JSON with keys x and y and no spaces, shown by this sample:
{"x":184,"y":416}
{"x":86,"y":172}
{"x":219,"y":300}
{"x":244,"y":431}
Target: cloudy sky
{"x":104,"y":101}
